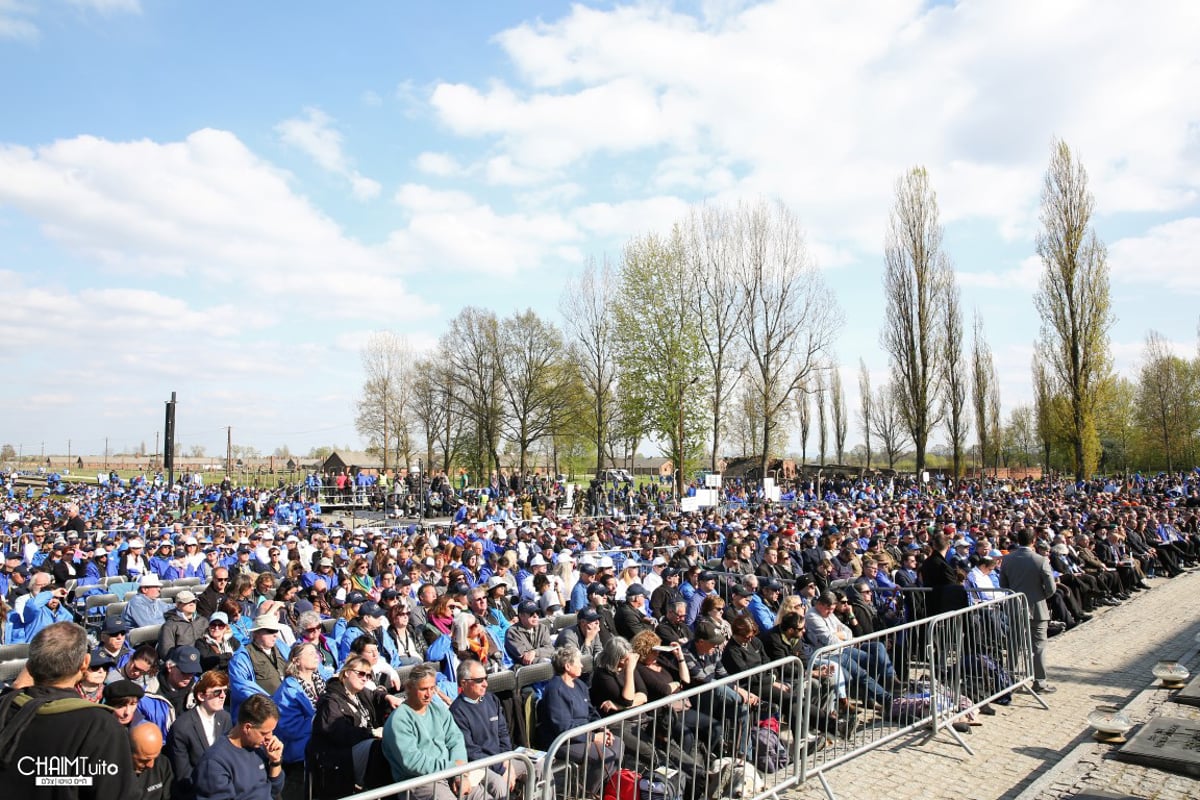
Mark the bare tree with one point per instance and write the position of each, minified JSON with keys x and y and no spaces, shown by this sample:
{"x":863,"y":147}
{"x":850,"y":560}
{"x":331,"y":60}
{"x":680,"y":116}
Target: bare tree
{"x":1073,"y":299}
{"x":587,"y":310}
{"x":1166,"y":399}
{"x":1043,"y":406}
{"x":983,"y":374}
{"x":888,"y":423}
{"x":1021,"y":433}
{"x":471,"y":347}
{"x":822,"y":422}
{"x":382,"y":409}
{"x":535,"y":378}
{"x":710,"y":252}
{"x":865,"y":401}
{"x":837,"y":406}
{"x":429,"y":406}
{"x":788,"y":315}
{"x":804,"y":412}
{"x":915,"y":284}
{"x":955,"y":378}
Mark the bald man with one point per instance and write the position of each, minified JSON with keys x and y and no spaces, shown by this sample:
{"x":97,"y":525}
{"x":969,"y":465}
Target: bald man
{"x":152,"y":770}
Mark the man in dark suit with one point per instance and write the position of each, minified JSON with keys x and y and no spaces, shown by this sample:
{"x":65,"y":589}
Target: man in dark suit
{"x":196,"y":730}
{"x":1027,"y":572}
{"x":946,"y":592}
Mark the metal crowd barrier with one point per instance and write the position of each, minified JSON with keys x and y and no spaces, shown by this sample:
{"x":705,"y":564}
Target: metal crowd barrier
{"x":448,"y":783}
{"x":925,"y":675}
{"x":691,"y":741}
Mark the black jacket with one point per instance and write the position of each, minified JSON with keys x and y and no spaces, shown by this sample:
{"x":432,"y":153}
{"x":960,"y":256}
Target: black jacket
{"x":186,"y":743}
{"x":92,"y":733}
{"x":336,"y":729}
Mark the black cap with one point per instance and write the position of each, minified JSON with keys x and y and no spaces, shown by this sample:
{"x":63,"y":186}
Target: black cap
{"x":635,"y":590}
{"x":588,"y":615}
{"x":187,"y":659}
{"x":115,"y":625}
{"x":587,"y":569}
{"x":119,"y":690}
{"x":389,"y":594}
{"x":742,"y":590}
{"x":528,"y":607}
{"x":102,"y":661}
{"x":708,"y":576}
{"x":597,"y":588}
{"x":356,"y":597}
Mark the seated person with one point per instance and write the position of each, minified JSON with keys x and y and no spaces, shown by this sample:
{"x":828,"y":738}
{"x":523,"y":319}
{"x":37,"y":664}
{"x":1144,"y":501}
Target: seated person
{"x":421,"y":738}
{"x":197,"y":729}
{"x":485,"y":730}
{"x":347,"y":729}
{"x":565,"y":705}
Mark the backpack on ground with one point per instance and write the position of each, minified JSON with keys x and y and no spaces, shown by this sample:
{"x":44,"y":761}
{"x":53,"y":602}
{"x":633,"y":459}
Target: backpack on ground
{"x":770,"y":755}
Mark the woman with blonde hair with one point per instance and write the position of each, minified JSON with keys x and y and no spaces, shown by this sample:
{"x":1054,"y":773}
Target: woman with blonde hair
{"x":347,"y":729}
{"x":630,"y":574}
{"x":790,"y":604}
{"x":297,"y":699}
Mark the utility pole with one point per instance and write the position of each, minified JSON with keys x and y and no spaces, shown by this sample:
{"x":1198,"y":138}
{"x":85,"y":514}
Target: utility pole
{"x":156,"y":448}
{"x":228,"y":449}
{"x":106,"y":454}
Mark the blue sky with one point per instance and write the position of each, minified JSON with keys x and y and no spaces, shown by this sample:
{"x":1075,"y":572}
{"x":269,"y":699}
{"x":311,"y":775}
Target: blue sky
{"x":225,"y":199}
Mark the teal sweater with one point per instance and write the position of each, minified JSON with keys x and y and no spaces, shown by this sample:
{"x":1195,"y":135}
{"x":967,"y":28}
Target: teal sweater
{"x":421,"y":744}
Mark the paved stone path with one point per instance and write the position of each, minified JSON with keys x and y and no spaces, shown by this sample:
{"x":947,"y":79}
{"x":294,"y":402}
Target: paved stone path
{"x":1029,"y":753}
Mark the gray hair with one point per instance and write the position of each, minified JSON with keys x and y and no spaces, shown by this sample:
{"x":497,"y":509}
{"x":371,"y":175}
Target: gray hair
{"x":563,"y":656}
{"x":466,"y":667}
{"x":616,"y":649}
{"x":422,"y":671}
{"x":309,"y":619}
{"x":57,"y":652}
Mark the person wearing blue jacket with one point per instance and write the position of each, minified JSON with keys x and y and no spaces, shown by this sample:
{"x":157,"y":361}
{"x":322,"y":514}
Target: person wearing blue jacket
{"x":248,"y":763}
{"x":296,"y":698}
{"x":44,"y":607}
{"x":258,"y":668}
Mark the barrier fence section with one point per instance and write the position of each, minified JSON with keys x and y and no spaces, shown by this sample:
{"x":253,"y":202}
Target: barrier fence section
{"x":691,"y":744}
{"x":482,"y":781}
{"x":930,"y":675}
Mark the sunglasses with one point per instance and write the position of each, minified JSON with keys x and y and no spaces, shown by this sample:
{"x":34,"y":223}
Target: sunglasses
{"x":475,"y":680}
{"x":217,"y":692}
{"x":360,"y":673}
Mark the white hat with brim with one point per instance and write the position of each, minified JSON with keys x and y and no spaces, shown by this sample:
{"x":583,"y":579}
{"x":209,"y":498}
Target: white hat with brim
{"x":266,"y":623}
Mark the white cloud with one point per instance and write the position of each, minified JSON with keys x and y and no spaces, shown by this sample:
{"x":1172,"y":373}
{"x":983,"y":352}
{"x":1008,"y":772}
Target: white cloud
{"x":371,"y":99}
{"x":14,"y":22}
{"x":109,"y":6}
{"x":1025,"y":276}
{"x":451,"y":230}
{"x":315,"y":135}
{"x":205,"y":207}
{"x":622,"y":220}
{"x":1166,"y":256}
{"x":824,"y":105}
{"x":442,"y":165}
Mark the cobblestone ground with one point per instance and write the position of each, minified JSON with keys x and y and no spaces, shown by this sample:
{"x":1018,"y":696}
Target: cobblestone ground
{"x":1029,"y":753}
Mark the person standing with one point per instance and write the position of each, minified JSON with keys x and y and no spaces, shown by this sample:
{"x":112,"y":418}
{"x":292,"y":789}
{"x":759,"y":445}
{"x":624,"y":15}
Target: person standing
{"x":1027,"y":572}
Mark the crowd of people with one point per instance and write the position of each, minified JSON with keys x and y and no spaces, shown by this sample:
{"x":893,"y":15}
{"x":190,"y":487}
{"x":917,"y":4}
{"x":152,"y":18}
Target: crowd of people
{"x":356,"y":657}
